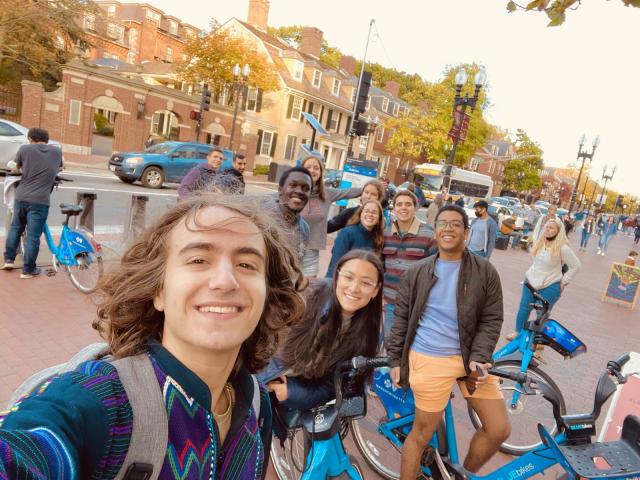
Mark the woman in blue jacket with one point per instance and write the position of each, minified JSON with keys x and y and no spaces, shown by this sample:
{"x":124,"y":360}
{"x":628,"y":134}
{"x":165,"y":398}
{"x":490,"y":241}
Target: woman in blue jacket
{"x":365,"y":230}
{"x":609,"y":229}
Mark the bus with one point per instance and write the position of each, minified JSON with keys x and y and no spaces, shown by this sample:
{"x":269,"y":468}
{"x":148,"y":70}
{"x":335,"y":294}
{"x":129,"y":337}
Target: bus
{"x":463,"y":182}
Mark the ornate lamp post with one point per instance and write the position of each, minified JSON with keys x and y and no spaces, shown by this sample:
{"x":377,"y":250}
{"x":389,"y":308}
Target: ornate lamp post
{"x":583,"y":155}
{"x":239,"y":88}
{"x":460,"y":105}
{"x":372,"y":126}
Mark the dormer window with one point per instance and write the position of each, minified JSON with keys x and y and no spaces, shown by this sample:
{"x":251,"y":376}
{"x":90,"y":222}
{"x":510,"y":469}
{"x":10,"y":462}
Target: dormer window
{"x":385,"y":104}
{"x":89,"y":22}
{"x":173,"y":27}
{"x":298,"y":70}
{"x":153,"y":16}
{"x":111,"y":10}
{"x":317,"y":78}
{"x":336,"y":87}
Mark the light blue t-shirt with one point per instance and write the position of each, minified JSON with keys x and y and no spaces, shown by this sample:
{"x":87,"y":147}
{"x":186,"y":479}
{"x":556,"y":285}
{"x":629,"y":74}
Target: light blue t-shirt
{"x":437,"y":333}
{"x":479,"y":232}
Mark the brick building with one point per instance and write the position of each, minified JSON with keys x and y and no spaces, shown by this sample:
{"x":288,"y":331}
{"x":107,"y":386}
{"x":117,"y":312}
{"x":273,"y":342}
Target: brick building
{"x":137,"y":108}
{"x":135,"y":33}
{"x":491,"y":160}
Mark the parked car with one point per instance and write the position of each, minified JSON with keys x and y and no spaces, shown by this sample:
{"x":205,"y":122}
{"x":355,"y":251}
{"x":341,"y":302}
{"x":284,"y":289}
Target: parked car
{"x":333,"y":177}
{"x":163,"y":162}
{"x":12,"y":137}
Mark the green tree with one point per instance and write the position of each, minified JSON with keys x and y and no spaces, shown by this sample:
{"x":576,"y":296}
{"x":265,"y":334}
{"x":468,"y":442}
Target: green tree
{"x":556,"y":9}
{"x":521,"y":173}
{"x":431,"y":123}
{"x":210,"y":58}
{"x":37,"y":37}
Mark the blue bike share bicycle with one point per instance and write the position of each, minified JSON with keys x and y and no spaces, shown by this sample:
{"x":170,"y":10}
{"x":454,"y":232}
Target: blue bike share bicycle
{"x":313,"y":448}
{"x":571,"y":447}
{"x":77,"y":250}
{"x":525,"y":411}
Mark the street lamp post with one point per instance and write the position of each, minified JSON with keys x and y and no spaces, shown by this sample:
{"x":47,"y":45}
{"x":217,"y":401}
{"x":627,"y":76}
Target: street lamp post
{"x":239,"y":88}
{"x":460,"y":104}
{"x":607,"y":178}
{"x":583,"y":155}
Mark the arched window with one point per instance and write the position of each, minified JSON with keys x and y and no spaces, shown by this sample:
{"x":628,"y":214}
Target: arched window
{"x":164,"y":123}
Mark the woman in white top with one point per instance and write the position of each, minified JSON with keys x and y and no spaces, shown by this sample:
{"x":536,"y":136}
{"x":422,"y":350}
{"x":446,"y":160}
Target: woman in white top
{"x":550,"y":252}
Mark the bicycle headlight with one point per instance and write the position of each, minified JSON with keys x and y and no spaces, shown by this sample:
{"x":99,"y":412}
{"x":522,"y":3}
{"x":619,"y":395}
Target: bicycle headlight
{"x":134,"y":160}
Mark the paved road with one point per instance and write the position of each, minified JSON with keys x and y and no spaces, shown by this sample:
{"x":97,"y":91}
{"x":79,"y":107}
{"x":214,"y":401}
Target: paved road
{"x":44,"y":321}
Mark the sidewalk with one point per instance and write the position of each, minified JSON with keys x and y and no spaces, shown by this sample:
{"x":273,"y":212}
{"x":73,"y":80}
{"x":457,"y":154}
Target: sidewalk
{"x":45,"y":321}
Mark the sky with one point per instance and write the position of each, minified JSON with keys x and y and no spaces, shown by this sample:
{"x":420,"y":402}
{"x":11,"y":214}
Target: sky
{"x":554,"y":83}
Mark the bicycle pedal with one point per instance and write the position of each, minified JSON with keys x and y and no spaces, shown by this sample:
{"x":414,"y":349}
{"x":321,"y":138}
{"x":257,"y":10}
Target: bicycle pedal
{"x":428,"y":456}
{"x":50,"y":272}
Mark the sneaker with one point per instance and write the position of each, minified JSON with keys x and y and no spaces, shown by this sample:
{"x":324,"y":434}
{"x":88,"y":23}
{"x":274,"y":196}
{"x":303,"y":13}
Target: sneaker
{"x":35,"y":273}
{"x":8,"y":266}
{"x":512,"y":336}
{"x":598,"y":252}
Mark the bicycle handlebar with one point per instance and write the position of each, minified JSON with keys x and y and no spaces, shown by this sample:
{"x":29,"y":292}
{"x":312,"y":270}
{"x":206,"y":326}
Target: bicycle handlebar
{"x":537,"y":296}
{"x":362,"y":364}
{"x":517,"y":377}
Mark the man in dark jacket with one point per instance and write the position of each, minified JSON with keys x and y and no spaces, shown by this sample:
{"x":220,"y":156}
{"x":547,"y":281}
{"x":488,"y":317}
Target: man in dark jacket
{"x":448,"y":317}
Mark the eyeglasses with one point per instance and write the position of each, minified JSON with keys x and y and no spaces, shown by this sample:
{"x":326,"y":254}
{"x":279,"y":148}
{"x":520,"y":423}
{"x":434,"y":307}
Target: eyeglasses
{"x":440,"y":224}
{"x":349,"y":279}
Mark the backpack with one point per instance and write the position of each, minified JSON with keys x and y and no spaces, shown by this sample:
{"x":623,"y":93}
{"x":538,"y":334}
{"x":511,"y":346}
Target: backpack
{"x":150,"y":432}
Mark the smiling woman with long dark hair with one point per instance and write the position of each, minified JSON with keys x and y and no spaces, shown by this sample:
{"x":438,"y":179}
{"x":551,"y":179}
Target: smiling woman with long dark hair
{"x":342,"y":319}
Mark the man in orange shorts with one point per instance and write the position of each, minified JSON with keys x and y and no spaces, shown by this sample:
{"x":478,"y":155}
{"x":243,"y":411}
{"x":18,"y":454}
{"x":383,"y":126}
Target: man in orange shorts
{"x":447,"y":322}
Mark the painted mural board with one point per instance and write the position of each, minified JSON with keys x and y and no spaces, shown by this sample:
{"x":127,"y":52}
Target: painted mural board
{"x":623,"y":285}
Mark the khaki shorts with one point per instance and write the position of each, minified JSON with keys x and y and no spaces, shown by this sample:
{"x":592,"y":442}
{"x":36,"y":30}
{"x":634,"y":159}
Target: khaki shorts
{"x":432,"y":378}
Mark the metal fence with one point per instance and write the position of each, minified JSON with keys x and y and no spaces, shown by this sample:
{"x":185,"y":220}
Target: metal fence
{"x":10,"y":104}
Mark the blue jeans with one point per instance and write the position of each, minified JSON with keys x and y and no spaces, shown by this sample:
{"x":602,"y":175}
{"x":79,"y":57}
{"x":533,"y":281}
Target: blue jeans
{"x":604,"y":242}
{"x":584,"y":241}
{"x":32,"y":217}
{"x":303,"y":393}
{"x":551,"y":294}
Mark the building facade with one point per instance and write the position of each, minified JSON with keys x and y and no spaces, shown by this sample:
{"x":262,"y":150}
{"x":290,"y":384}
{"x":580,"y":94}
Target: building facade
{"x":491,"y":160}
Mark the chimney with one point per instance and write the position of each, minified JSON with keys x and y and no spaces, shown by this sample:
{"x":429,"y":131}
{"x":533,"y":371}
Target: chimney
{"x":393,"y":88}
{"x":258,"y":14}
{"x":348,"y":64}
{"x":311,"y":41}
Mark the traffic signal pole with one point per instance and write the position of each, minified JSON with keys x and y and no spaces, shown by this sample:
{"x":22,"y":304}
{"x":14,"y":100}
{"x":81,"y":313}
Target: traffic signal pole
{"x":205,"y":102}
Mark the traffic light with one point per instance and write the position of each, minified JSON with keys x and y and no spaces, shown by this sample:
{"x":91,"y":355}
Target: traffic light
{"x":361,"y":127}
{"x":363,"y":93}
{"x":194,"y":115}
{"x":205,"y":100}
{"x":620,"y":201}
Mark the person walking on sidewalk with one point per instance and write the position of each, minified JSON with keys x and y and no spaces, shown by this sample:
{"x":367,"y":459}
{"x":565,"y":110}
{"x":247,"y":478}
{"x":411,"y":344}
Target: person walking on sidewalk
{"x":448,"y":318}
{"x":39,"y":165}
{"x":588,"y":228}
{"x":484,"y":230}
{"x":636,"y":240}
{"x":365,"y":231}
{"x":547,"y":274}
{"x":433,"y":209}
{"x":406,"y":241}
{"x":196,"y":306}
{"x":609,"y":229}
{"x":316,"y":213}
{"x":542,"y":221}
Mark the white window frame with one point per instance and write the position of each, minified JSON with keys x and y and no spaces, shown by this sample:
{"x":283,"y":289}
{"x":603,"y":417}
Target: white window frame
{"x":252,"y":97}
{"x":111,"y":11}
{"x":169,"y":55}
{"x":333,"y":124}
{"x":335,"y":88}
{"x":298,"y":70}
{"x":396,"y":109}
{"x":115,"y":31}
{"x":380,"y":134}
{"x":173,"y":27}
{"x":75,"y":112}
{"x":375,"y":158}
{"x":290,"y":148}
{"x":153,"y":16}
{"x":317,"y":78}
{"x":296,"y":108}
{"x":385,"y":104}
{"x":89,"y":22}
{"x":131,"y":56}
{"x":224,"y":96}
{"x":317,"y":108}
{"x":266,"y":151}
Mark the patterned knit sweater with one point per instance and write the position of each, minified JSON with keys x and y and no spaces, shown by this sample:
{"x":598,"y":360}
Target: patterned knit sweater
{"x":79,"y":426}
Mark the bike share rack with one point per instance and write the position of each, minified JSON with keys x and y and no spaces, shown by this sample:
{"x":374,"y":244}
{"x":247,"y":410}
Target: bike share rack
{"x":86,"y":218}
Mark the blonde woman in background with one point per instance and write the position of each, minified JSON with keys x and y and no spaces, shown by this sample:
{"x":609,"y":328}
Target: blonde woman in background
{"x":550,"y":252}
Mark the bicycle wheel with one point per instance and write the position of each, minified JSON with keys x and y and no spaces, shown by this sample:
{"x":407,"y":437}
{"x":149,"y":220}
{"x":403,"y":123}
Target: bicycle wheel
{"x":289,"y":460}
{"x":378,"y":452}
{"x":88,"y":269}
{"x":529,"y":411}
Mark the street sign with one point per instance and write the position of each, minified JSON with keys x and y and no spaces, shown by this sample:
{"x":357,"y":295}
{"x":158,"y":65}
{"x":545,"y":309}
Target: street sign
{"x":356,"y":173}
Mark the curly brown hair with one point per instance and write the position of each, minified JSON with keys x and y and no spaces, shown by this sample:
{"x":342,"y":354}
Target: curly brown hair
{"x":127,"y":318}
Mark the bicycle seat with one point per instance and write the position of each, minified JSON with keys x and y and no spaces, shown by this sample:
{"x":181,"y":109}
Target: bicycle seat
{"x":290,"y":418}
{"x":70,"y":209}
{"x":615,"y":459}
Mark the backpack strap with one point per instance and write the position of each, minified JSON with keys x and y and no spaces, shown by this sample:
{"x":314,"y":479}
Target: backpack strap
{"x":255,"y":402}
{"x":148,"y":446}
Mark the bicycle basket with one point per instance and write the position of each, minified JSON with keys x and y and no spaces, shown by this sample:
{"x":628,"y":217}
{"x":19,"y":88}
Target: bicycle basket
{"x":562,"y":340}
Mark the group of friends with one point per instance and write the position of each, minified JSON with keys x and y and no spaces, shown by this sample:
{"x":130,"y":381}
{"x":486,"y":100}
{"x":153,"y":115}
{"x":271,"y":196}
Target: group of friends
{"x":222,"y":289}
